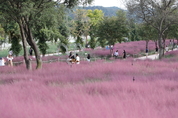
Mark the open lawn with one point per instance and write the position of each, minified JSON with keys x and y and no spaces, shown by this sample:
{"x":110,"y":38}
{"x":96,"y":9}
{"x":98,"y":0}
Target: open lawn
{"x":100,"y":89}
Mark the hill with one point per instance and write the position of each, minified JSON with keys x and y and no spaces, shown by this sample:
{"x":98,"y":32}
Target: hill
{"x":108,"y":11}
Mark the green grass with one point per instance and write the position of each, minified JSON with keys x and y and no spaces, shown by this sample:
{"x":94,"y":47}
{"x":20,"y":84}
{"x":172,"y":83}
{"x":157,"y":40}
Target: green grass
{"x":169,"y":56}
{"x":3,"y":53}
{"x":52,"y":48}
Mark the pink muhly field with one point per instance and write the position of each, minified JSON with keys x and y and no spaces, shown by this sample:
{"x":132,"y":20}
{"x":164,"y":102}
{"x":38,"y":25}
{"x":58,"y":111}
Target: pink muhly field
{"x":118,"y":89}
{"x":132,"y":48}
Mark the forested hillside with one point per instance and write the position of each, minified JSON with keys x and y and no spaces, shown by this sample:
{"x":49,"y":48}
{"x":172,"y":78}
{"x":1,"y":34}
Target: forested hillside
{"x":108,"y":11}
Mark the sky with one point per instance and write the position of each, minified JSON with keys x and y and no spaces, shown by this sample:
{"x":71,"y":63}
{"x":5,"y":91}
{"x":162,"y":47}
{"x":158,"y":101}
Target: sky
{"x":109,"y":3}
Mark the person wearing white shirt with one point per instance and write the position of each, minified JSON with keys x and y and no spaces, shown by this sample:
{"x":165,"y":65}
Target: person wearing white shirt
{"x":116,"y":54}
{"x":2,"y":61}
{"x":167,"y":48}
{"x":77,"y":59}
{"x":10,"y":58}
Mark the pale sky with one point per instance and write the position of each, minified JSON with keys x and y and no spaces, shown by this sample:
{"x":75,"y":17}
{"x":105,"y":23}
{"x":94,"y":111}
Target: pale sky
{"x":109,"y":3}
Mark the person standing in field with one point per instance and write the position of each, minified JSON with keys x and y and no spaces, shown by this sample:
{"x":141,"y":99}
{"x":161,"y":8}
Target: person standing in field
{"x":146,"y":52}
{"x":156,"y":49}
{"x":10,"y":58}
{"x":124,"y":54}
{"x":167,"y":48}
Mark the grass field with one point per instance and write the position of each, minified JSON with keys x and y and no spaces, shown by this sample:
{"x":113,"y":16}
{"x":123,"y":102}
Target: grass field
{"x":120,"y":89}
{"x":99,"y":89}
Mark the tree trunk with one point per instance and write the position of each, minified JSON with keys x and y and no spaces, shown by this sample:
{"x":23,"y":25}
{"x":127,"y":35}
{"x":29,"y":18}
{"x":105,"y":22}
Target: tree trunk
{"x":156,"y":44}
{"x":147,"y":44}
{"x":173,"y":44}
{"x":36,"y":51}
{"x":27,"y":59}
{"x":32,"y":43}
{"x":161,"y":46}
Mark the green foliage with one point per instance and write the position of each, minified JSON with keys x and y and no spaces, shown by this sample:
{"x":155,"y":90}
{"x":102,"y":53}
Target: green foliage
{"x":107,"y":11}
{"x":72,"y":3}
{"x":42,"y":46}
{"x":92,"y":43}
{"x":113,"y":29}
{"x":147,"y":32}
{"x":102,"y":42}
{"x":80,"y":25}
{"x":12,"y":29}
{"x":2,"y":33}
{"x":133,"y":30}
{"x":52,"y":27}
{"x":16,"y":46}
{"x":96,"y":16}
{"x":173,"y":32}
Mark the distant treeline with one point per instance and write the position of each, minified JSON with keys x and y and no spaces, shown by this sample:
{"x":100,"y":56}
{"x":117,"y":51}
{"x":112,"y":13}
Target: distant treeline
{"x":108,"y":11}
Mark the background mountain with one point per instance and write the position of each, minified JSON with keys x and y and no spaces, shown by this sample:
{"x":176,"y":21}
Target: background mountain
{"x":108,"y":11}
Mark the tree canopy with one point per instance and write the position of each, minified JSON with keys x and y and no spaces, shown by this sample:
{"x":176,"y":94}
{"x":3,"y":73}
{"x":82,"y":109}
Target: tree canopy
{"x":26,"y":14}
{"x":159,"y":14}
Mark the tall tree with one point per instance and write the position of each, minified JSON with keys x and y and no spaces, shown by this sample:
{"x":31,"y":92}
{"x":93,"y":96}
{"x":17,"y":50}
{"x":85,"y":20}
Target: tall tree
{"x":95,"y":17}
{"x":79,"y":29}
{"x":159,"y":14}
{"x":113,"y":29}
{"x":147,"y":33}
{"x":133,"y":30}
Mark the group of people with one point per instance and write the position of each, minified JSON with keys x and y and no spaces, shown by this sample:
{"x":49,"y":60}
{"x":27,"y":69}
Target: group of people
{"x":116,"y":54}
{"x":75,"y":58}
{"x":9,"y":59}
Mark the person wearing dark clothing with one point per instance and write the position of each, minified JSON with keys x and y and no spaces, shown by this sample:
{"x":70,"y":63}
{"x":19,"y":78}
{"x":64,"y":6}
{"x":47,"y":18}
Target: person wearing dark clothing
{"x":156,"y":49}
{"x":71,"y":56}
{"x":146,"y":52}
{"x":31,"y":51}
{"x":88,"y":57}
{"x":124,"y":54}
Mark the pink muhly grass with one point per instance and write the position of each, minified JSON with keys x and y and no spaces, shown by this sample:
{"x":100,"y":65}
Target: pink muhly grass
{"x":101,"y":89}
